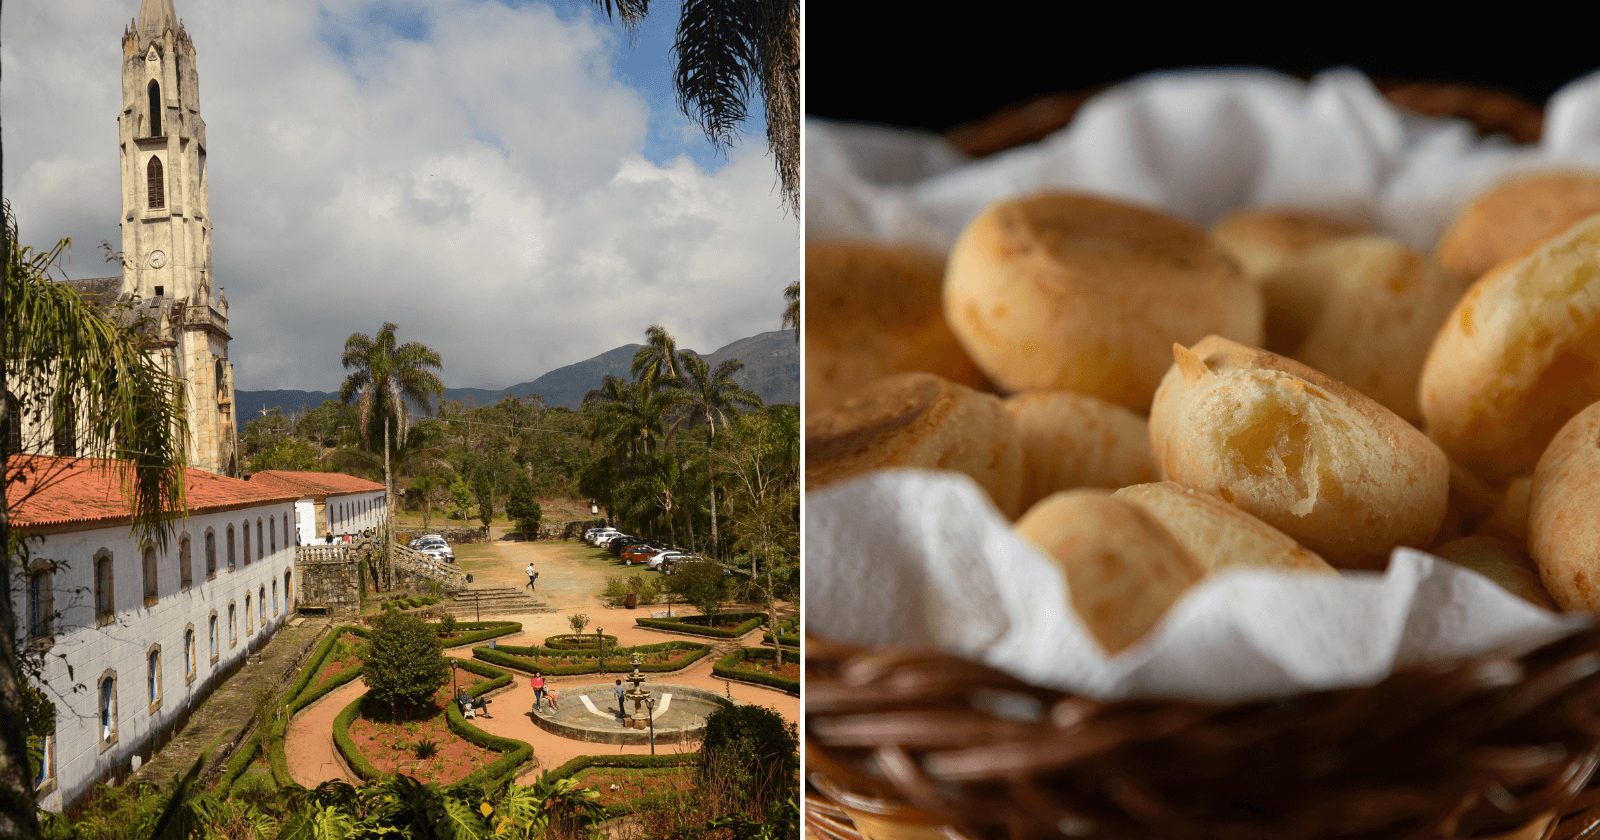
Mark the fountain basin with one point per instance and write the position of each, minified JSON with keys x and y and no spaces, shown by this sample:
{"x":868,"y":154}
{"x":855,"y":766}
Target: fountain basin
{"x":680,"y":714}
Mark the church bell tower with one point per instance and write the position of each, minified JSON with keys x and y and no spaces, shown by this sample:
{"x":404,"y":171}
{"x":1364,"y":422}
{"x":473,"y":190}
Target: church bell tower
{"x":166,"y":226}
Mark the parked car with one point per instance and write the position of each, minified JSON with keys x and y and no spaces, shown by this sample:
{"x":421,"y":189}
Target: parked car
{"x":639,"y":553}
{"x":602,"y":533}
{"x":426,"y":538}
{"x":435,"y":546}
{"x":618,"y":546}
{"x":663,"y":559}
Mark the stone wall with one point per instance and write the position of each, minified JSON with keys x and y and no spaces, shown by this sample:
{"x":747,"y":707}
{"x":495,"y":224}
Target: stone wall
{"x":330,"y":579}
{"x":453,"y":536}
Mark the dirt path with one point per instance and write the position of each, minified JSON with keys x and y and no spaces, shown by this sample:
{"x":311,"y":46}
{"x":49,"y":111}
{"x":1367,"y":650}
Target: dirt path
{"x":308,"y":742}
{"x":571,"y":577}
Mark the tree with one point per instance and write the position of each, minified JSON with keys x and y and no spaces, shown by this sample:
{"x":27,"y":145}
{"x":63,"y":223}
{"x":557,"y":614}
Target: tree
{"x":382,"y":378}
{"x":725,"y":50}
{"x":405,"y":664}
{"x":127,"y":409}
{"x":523,"y":508}
{"x":656,"y":363}
{"x":483,"y":490}
{"x":715,"y":395}
{"x":761,"y":463}
{"x":426,"y":488}
{"x":752,"y":755}
{"x":460,"y":494}
{"x":791,"y":309}
{"x":701,"y":584}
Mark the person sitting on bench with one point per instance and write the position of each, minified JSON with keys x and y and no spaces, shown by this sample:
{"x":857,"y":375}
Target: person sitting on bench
{"x":469,"y":704}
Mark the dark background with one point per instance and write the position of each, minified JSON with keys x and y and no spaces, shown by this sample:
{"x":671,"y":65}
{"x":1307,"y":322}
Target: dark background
{"x":958,"y":63}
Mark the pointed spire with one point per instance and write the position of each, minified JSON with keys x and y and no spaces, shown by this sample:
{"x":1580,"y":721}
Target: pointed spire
{"x":156,"y":17}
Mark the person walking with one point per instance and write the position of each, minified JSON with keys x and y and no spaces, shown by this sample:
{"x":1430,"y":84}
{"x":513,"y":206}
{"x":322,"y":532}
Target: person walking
{"x":622,"y":713}
{"x":533,"y":575}
{"x":538,"y":690}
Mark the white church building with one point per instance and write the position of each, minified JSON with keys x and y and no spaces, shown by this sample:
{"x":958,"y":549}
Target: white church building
{"x":134,"y":635}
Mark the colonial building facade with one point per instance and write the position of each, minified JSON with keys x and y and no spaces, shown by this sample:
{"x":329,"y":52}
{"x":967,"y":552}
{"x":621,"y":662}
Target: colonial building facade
{"x":133,"y":634}
{"x":328,"y":503}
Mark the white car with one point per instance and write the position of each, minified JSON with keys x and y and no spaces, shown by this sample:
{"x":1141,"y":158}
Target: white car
{"x":663,"y":559}
{"x":594,"y":538}
{"x":426,"y":538}
{"x":436,"y":547}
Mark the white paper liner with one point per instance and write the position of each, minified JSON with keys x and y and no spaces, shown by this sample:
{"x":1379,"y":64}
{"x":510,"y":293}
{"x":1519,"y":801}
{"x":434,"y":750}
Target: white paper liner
{"x":911,"y":558}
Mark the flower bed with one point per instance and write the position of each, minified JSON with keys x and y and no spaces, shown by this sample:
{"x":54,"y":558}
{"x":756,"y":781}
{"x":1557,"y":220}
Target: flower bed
{"x":473,"y":632}
{"x":658,"y":658}
{"x":567,"y":641}
{"x":721,"y":625}
{"x":635,"y":787}
{"x":343,"y":660}
{"x":759,"y":666}
{"x":466,"y":754}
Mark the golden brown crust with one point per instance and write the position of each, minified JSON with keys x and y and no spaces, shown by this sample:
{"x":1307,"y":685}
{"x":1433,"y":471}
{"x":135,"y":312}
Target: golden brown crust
{"x":1564,"y":514}
{"x":917,"y":420}
{"x":1122,"y":569}
{"x":1072,"y":292}
{"x":1364,"y":310}
{"x":1501,"y":562}
{"x":1072,"y":440}
{"x":1518,"y":356}
{"x":1261,"y":239}
{"x":1514,"y":216}
{"x":1218,"y":534}
{"x":878,"y":312}
{"x":1305,"y":453}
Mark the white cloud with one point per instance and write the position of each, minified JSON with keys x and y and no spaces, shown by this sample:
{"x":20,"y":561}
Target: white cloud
{"x":486,"y":188}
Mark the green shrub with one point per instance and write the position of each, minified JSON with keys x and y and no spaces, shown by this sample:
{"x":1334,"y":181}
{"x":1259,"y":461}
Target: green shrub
{"x":701,"y":584}
{"x":426,"y":748}
{"x":567,"y":641}
{"x":405,"y":665}
{"x":577,"y":621}
{"x":447,"y":626}
{"x":750,"y":753}
{"x":616,"y":592}
{"x":728,"y":667}
{"x":584,"y":762}
{"x":472,"y":632}
{"x":708,"y":625}
{"x":347,"y":747}
{"x":530,"y":659}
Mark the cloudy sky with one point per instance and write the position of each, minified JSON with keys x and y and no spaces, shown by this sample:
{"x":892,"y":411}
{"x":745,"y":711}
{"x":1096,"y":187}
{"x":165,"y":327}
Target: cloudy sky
{"x":509,"y":182}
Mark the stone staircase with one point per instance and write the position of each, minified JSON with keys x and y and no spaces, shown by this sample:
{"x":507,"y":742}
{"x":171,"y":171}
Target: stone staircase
{"x":467,"y":604}
{"x":421,"y":565}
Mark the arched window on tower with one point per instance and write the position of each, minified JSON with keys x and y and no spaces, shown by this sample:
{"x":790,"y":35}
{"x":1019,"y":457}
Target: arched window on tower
{"x":155,"y":109}
{"x":155,"y":184}
{"x":65,"y":418}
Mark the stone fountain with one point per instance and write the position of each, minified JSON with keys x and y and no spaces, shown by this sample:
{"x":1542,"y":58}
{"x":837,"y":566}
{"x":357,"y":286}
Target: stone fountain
{"x":640,"y":719}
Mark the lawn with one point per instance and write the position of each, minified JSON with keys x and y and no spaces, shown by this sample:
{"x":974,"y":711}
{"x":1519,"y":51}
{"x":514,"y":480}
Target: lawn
{"x":629,"y":787}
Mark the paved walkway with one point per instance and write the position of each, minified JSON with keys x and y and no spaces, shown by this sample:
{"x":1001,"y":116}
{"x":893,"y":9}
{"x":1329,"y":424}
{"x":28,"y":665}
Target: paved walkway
{"x":227,"y":714}
{"x":576,"y":577}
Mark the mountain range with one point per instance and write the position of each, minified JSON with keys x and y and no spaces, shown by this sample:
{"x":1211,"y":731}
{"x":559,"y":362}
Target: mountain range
{"x":771,"y":369}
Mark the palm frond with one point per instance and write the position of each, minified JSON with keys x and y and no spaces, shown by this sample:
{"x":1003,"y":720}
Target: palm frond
{"x":717,"y":57}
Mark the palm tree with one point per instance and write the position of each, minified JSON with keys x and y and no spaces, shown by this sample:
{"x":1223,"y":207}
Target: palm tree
{"x":656,"y":363}
{"x":791,"y":309}
{"x":382,"y":378}
{"x":715,"y":395}
{"x":127,"y":410}
{"x":724,"y":49}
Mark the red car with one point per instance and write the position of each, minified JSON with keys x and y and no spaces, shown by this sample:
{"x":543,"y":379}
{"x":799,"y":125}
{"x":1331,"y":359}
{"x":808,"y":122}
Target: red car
{"x":638,"y":554}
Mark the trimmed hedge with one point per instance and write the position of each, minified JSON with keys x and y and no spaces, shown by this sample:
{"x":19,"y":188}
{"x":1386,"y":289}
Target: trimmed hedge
{"x":514,"y":753}
{"x":239,"y":762}
{"x":473,"y":632}
{"x":789,"y":641}
{"x":728,"y":668}
{"x":363,"y":768}
{"x":584,"y":762}
{"x":566,"y":641}
{"x":616,"y":659}
{"x":704,"y":625}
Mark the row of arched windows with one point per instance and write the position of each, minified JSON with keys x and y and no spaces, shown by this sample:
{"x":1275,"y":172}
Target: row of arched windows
{"x":154,"y":673}
{"x":105,"y":600}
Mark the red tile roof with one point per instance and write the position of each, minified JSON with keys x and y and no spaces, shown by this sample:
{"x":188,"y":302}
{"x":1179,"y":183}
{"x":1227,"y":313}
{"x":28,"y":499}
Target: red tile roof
{"x":91,"y":490}
{"x":314,"y":484}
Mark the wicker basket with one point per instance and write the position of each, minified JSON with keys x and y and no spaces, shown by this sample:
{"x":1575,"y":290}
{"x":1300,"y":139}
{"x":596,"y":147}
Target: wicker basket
{"x":925,"y":746}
